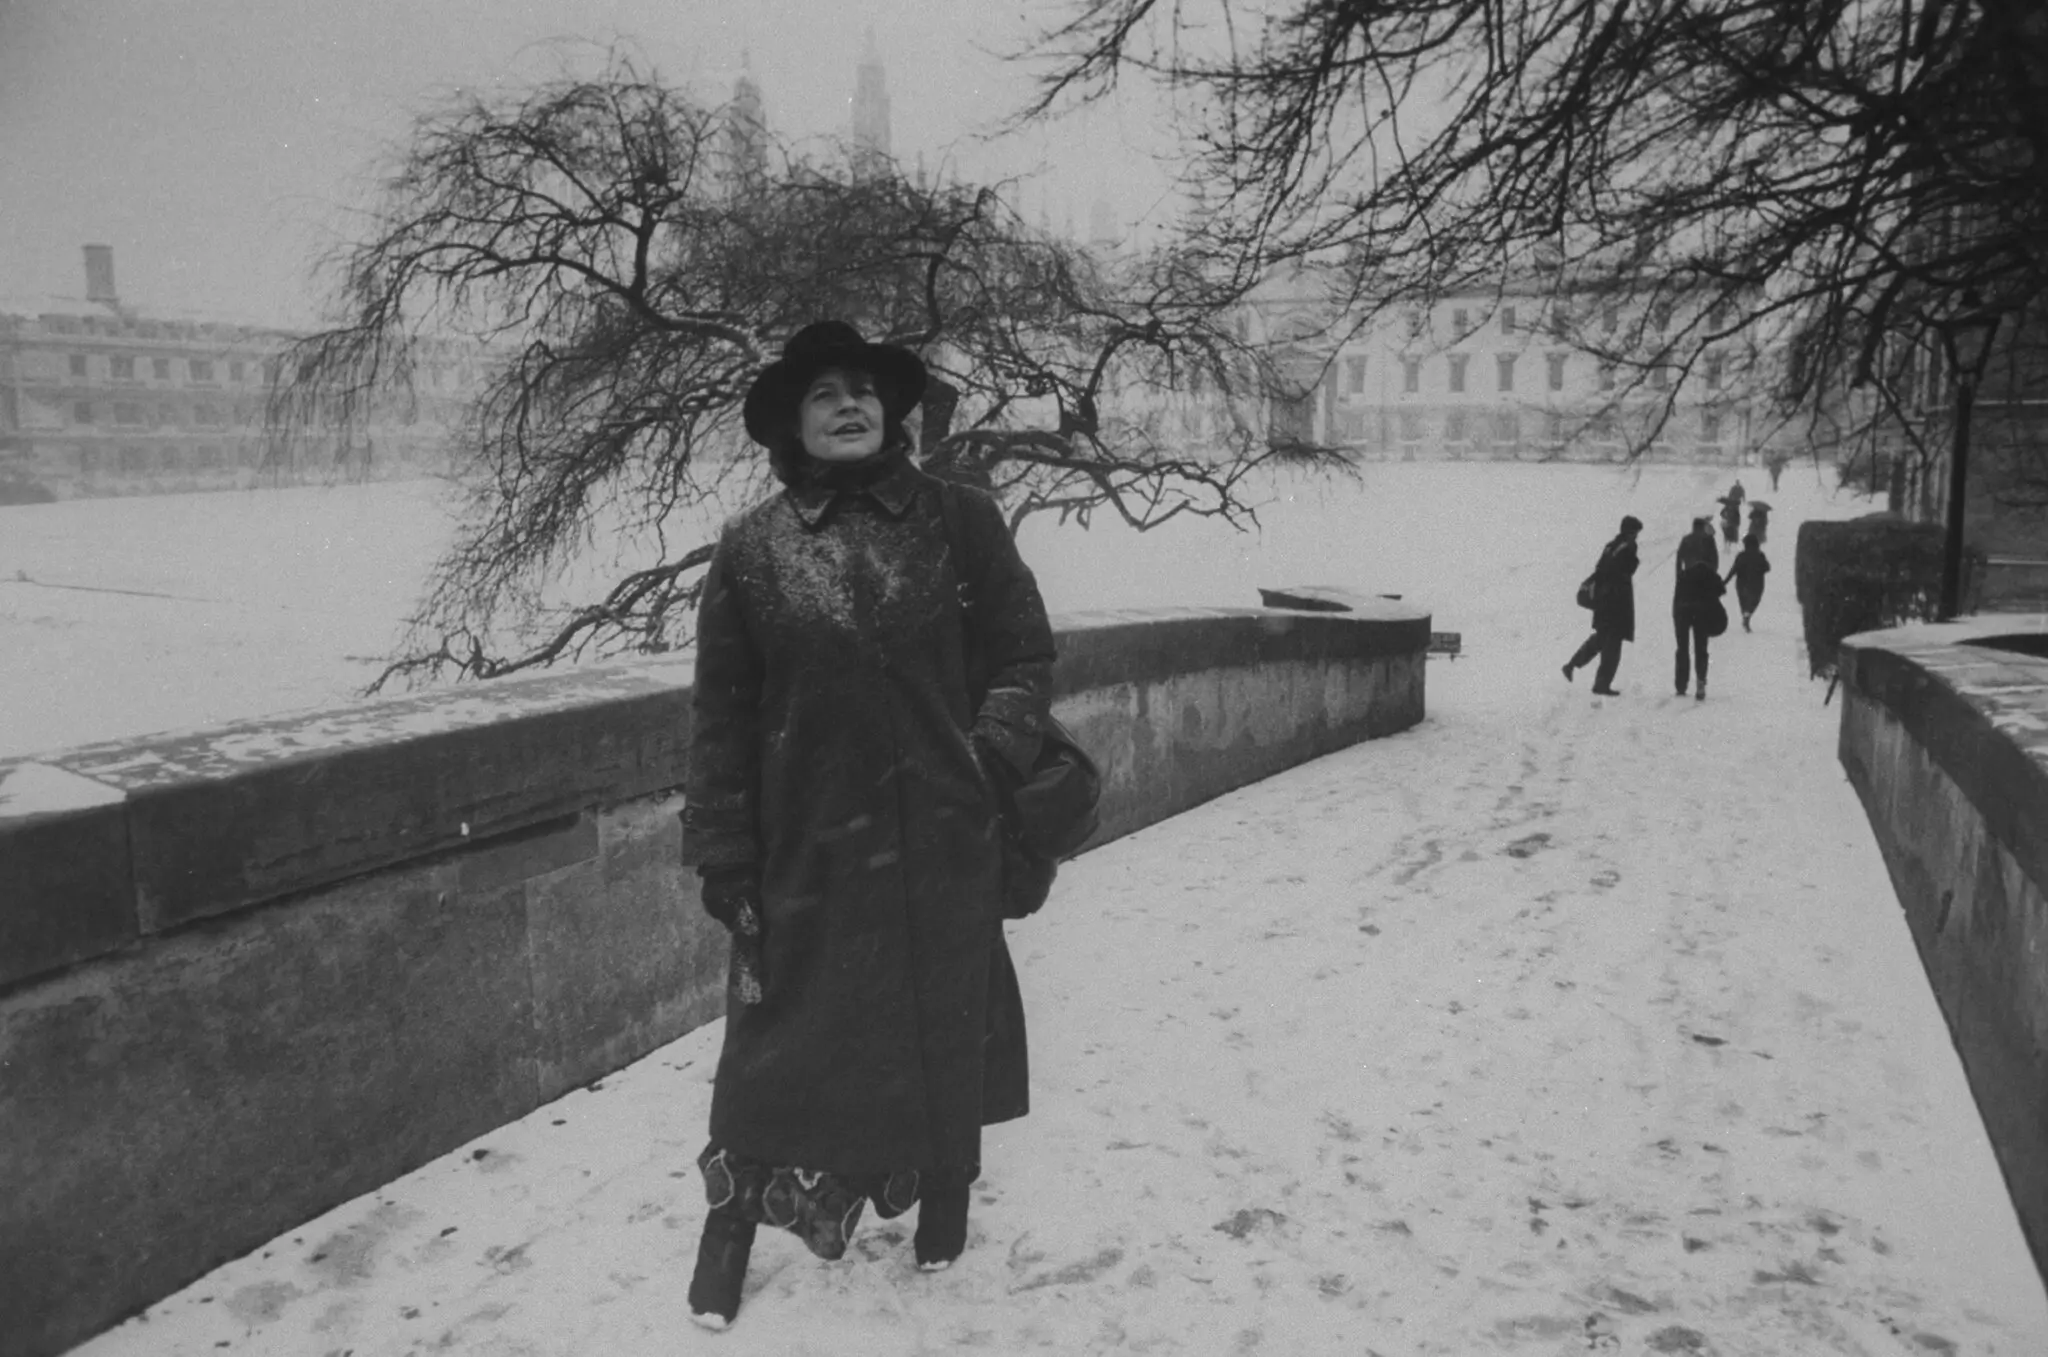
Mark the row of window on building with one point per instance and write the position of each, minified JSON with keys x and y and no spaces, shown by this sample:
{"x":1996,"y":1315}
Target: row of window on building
{"x":1459,"y":426}
{"x":132,"y":414}
{"x":1458,"y":369}
{"x":1559,"y":319}
{"x":143,"y":460}
{"x":121,"y":367}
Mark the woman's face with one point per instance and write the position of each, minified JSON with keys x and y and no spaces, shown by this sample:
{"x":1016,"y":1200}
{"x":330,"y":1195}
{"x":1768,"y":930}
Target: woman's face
{"x":840,"y":416}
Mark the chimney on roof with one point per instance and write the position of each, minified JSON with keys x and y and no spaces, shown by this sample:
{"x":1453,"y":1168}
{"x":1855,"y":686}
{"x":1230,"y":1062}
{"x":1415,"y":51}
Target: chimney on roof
{"x":99,"y":275}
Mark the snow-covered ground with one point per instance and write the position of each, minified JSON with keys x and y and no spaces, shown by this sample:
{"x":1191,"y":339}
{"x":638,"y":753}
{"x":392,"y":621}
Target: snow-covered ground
{"x":131,"y":616}
{"x":1555,"y":1024}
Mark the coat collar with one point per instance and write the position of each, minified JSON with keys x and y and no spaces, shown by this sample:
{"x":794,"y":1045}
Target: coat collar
{"x":812,"y":500}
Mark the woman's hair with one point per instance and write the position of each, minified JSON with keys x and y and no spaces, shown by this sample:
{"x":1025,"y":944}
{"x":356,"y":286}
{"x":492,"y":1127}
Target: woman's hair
{"x":1749,"y":540}
{"x":787,"y":455}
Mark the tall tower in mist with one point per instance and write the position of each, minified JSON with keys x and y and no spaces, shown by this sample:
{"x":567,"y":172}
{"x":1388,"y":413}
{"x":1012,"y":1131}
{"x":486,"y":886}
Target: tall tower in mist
{"x":870,"y":112}
{"x":746,"y":128}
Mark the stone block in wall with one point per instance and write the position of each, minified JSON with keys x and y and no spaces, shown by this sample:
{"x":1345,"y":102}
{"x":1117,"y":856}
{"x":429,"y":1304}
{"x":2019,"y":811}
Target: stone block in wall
{"x":622,"y":955}
{"x":1181,"y":705}
{"x":222,"y":818}
{"x":1103,"y":649}
{"x":170,"y":1106}
{"x":65,"y":892}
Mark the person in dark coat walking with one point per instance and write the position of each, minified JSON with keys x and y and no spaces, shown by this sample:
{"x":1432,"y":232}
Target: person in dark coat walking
{"x":1614,"y":608}
{"x":1695,"y":603}
{"x":841,"y":811}
{"x":1748,"y":573}
{"x":1731,"y":516}
{"x":1698,"y":545}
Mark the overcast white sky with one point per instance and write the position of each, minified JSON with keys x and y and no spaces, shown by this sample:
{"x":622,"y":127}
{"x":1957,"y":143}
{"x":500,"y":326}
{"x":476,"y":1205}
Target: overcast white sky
{"x":215,"y":144}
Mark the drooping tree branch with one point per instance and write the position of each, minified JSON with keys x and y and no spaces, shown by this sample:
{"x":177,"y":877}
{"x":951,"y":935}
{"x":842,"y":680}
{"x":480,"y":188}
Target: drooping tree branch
{"x":1835,"y":177}
{"x":619,"y":263}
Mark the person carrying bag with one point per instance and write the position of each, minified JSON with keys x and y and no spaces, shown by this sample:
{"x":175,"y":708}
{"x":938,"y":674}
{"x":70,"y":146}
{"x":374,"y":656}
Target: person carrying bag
{"x":1610,"y":592}
{"x":854,"y":744}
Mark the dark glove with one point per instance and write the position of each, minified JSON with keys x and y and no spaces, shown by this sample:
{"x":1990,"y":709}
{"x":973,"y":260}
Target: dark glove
{"x":732,"y":895}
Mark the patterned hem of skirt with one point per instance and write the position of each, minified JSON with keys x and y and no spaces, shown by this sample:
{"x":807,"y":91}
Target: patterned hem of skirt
{"x":777,"y":1194}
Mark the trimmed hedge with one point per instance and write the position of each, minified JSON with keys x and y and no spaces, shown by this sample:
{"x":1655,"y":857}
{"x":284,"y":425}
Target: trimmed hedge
{"x":1864,"y":575}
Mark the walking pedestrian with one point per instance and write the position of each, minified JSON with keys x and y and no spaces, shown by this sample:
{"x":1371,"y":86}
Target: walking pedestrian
{"x":1698,"y":545}
{"x":1696,"y":609}
{"x":1748,"y":573}
{"x":1731,"y":514}
{"x":841,"y":811}
{"x":1614,"y":608}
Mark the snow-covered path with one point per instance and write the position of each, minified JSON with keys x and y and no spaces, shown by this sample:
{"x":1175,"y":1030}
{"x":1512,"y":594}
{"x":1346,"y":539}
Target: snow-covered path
{"x":1555,"y":1024}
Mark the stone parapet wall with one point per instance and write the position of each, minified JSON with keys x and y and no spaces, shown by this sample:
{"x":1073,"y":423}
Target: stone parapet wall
{"x":250,"y":972}
{"x":1945,"y":739}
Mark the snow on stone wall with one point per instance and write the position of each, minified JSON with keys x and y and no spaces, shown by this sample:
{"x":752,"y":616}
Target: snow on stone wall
{"x":1943,"y":740}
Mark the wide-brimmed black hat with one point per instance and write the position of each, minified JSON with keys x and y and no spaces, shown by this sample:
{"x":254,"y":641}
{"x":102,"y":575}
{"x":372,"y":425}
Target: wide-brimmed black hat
{"x":899,"y":376}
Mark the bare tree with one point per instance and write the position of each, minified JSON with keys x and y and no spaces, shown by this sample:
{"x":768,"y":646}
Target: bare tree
{"x":625,"y":261}
{"x":1844,"y":178}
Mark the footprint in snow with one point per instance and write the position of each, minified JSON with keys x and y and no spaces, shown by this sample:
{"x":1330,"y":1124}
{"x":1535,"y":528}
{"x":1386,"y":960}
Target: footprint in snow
{"x":1248,"y":1221}
{"x":1527,"y":846}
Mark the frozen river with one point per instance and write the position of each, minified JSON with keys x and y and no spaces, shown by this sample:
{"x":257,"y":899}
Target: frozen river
{"x":128,"y":616}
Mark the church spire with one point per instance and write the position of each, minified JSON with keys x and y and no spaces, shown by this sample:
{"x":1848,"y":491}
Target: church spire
{"x":870,"y":111}
{"x":747,"y":125}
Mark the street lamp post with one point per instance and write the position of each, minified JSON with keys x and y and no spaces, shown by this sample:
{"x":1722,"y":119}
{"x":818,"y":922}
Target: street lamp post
{"x":1968,"y":340}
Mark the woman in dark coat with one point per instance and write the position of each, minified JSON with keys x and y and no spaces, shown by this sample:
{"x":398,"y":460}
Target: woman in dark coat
{"x":1748,"y":573}
{"x":1731,"y":515}
{"x":842,"y":817}
{"x":1614,"y":608}
{"x":1696,"y":604}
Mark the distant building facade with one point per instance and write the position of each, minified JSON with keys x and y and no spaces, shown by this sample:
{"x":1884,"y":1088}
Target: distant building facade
{"x":1534,"y":370}
{"x":98,"y":399}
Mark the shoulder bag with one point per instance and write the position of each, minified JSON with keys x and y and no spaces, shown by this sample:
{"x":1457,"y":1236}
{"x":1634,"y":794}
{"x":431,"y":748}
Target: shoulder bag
{"x":1049,"y":813}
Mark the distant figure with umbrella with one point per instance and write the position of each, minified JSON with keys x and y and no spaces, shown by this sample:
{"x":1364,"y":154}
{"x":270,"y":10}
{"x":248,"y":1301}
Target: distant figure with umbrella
{"x":1759,"y":520}
{"x":1748,"y":573}
{"x":1731,"y":513}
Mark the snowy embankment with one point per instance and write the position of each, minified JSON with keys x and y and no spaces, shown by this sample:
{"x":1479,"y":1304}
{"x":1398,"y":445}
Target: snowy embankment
{"x":1554,"y":1024}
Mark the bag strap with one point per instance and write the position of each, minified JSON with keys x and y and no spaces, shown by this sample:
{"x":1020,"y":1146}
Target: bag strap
{"x":956,"y":547}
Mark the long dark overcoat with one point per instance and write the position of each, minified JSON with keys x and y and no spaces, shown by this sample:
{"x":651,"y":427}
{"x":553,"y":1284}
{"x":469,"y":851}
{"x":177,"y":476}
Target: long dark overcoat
{"x":832,"y":749}
{"x":1749,"y":570}
{"x":1614,"y":594}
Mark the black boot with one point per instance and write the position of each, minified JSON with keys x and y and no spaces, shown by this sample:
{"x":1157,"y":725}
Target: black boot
{"x":941,"y":1226}
{"x":721,"y":1269}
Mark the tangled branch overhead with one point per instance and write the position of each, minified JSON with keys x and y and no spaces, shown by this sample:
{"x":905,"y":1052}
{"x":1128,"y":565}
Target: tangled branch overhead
{"x":623,"y":260}
{"x":1833,"y":181}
